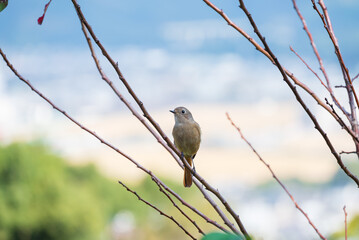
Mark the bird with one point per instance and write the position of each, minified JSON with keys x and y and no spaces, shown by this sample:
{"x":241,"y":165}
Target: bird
{"x":187,"y":138}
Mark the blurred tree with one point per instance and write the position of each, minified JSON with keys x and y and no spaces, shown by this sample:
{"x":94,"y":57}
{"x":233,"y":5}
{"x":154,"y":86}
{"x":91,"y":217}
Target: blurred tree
{"x":43,"y":198}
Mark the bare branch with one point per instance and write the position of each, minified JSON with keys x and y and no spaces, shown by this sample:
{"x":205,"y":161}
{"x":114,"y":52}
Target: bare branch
{"x":328,"y":88}
{"x":310,"y":92}
{"x":344,"y":152}
{"x":180,"y":210}
{"x":328,"y":27}
{"x":306,"y":64}
{"x":342,"y":123}
{"x":314,"y":47}
{"x":179,"y":198}
{"x":163,"y":135}
{"x":224,"y":202}
{"x":298,"y":97}
{"x":274,"y":176}
{"x":158,"y":210}
{"x":241,"y":31}
{"x":320,"y":61}
{"x":345,"y":222}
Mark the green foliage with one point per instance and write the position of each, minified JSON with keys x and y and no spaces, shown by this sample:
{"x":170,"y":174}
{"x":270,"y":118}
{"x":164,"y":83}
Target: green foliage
{"x":43,"y":198}
{"x":3,"y":4}
{"x":353,"y":230}
{"x":222,"y":236}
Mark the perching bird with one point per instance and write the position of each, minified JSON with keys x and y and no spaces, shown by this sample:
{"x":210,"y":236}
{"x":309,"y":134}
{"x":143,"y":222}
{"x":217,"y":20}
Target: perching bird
{"x":187,"y":138}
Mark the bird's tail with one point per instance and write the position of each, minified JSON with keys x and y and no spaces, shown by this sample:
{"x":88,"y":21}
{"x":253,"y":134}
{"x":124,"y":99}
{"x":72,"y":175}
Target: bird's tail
{"x":187,"y":180}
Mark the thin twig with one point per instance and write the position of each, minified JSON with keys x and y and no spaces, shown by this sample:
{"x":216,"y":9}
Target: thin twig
{"x":334,"y":114}
{"x":310,"y":92}
{"x":306,"y":64}
{"x":275,"y":177}
{"x":158,"y":210}
{"x":320,"y":61}
{"x":351,"y":152}
{"x":341,"y":122}
{"x":207,"y":219}
{"x":314,"y":47}
{"x":240,"y":30}
{"x":328,"y":88}
{"x":163,"y":135}
{"x":356,"y":76}
{"x":180,"y":210}
{"x":328,"y":27}
{"x":224,"y":202}
{"x":345,"y":222}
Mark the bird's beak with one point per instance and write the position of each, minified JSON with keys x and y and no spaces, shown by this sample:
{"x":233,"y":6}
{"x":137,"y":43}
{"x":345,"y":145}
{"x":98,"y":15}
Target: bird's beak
{"x":172,"y":111}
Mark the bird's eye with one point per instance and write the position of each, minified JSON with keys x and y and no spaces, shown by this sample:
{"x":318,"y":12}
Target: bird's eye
{"x":183,"y":111}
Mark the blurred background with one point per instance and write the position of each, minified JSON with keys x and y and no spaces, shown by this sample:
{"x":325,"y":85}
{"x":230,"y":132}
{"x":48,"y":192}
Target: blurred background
{"x":58,"y":182}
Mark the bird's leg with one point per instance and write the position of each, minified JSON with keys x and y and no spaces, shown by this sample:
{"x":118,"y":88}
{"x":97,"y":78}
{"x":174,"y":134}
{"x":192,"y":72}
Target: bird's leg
{"x":194,"y":167}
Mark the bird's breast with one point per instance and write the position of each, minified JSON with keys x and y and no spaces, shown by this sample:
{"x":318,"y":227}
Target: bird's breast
{"x":187,"y":137}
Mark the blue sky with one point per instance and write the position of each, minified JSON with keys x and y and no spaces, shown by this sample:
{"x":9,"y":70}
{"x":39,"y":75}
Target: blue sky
{"x":146,"y":24}
{"x":167,"y":43}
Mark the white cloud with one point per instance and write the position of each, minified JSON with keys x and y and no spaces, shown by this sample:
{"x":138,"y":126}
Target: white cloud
{"x":194,"y":33}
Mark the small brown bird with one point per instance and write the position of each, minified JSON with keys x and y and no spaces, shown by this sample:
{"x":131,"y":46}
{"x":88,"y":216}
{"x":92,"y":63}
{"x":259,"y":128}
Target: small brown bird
{"x":187,"y":138}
